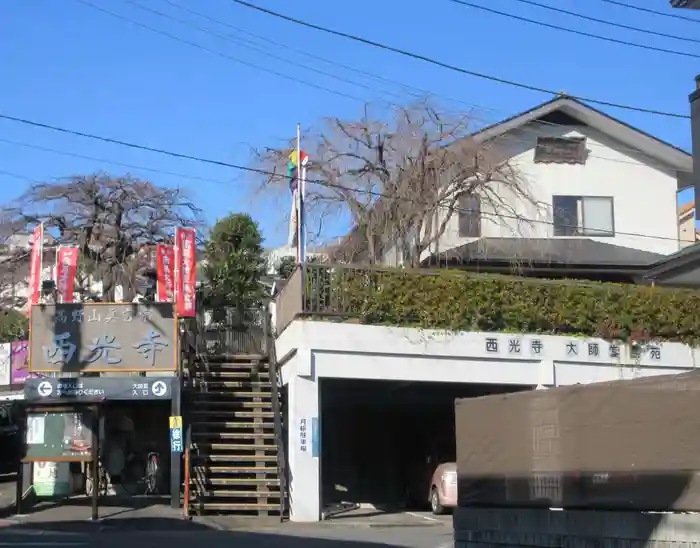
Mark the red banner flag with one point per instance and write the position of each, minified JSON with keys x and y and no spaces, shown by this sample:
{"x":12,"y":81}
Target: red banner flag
{"x":186,"y":271}
{"x":165,"y":268}
{"x":34,"y":289}
{"x":66,"y":268}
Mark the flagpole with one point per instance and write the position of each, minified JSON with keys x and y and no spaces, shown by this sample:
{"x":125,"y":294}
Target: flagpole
{"x":302,"y":215}
{"x":298,"y":195}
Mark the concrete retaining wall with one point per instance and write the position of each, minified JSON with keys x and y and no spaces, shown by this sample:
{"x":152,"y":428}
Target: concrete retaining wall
{"x":535,"y":528}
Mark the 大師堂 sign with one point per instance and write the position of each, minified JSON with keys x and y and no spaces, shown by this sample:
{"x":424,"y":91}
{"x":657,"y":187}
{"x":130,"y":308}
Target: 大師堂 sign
{"x":74,"y":337}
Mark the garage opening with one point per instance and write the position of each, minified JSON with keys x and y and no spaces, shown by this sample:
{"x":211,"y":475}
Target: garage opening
{"x":383,"y":440}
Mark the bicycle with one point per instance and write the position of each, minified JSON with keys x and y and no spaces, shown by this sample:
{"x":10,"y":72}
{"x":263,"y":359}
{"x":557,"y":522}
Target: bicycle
{"x":102,"y":479}
{"x":147,"y":474}
{"x":152,"y":476}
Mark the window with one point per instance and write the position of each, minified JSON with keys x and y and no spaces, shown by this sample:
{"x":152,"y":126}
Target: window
{"x":469,"y":216}
{"x":583,"y":216}
{"x":560,"y":150}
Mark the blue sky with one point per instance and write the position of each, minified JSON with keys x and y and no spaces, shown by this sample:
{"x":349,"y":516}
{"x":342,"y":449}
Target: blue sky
{"x":67,"y":64}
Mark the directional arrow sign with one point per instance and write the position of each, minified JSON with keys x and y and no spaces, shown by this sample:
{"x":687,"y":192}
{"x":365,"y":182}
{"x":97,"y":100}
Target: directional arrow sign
{"x":44,"y":389}
{"x":159,"y":388}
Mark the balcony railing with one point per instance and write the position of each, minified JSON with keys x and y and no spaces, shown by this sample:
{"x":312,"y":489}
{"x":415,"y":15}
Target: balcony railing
{"x":231,"y":331}
{"x":327,"y":291}
{"x":346,"y":292}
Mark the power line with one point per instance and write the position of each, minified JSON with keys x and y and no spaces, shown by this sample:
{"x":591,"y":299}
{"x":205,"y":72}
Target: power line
{"x":607,"y":22}
{"x":653,"y":12}
{"x":295,"y":63}
{"x":371,"y":75}
{"x":274,"y":175}
{"x":253,"y":47}
{"x":108,"y":161}
{"x":422,"y":92}
{"x":16,"y":176}
{"x":335,"y":92}
{"x":220,"y":54}
{"x":572,"y":31}
{"x":208,"y":50}
{"x":127,"y":144}
{"x":449,"y":66}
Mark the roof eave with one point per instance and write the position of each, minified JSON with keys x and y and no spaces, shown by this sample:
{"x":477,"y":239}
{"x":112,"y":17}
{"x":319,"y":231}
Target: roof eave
{"x":674,"y":157}
{"x":670,"y":266}
{"x":530,"y":264}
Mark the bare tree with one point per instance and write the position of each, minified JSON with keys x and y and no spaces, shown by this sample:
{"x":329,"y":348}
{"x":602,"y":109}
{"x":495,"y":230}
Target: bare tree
{"x":110,"y":219}
{"x":400,"y":180}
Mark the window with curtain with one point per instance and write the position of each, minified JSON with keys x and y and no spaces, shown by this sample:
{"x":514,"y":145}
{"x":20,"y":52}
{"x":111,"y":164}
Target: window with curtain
{"x":469,"y":214}
{"x":583,"y":216}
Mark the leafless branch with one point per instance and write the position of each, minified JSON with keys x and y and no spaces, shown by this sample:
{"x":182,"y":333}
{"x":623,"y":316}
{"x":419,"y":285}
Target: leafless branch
{"x":400,"y":179}
{"x":108,"y":218}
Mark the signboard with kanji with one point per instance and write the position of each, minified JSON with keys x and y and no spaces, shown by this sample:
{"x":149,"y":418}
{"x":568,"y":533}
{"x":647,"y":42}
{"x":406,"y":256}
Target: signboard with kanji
{"x":80,"y":337}
{"x":176,"y":445}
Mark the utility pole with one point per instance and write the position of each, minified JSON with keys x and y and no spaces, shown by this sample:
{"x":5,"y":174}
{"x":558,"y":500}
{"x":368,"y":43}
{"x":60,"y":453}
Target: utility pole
{"x":688,"y":4}
{"x":694,"y":99}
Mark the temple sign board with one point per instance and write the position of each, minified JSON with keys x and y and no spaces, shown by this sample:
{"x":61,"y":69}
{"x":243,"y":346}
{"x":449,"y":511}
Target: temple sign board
{"x":103,"y":337}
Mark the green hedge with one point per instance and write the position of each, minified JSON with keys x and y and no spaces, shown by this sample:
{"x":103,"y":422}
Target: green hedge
{"x":457,"y":302}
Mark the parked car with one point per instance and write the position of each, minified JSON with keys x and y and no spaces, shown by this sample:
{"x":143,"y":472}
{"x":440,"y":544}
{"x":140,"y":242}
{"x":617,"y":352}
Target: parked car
{"x":443,"y":488}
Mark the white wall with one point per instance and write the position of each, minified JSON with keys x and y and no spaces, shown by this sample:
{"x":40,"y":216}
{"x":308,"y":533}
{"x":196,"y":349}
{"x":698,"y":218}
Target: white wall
{"x":644,"y":194}
{"x":309,"y":351}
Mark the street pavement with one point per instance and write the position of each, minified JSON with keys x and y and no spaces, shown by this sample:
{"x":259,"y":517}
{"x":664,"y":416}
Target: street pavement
{"x":353,"y":530}
{"x":153,"y":533}
{"x":148,"y":524}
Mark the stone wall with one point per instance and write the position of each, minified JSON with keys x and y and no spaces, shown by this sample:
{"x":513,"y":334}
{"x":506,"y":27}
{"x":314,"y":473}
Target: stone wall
{"x":535,"y":528}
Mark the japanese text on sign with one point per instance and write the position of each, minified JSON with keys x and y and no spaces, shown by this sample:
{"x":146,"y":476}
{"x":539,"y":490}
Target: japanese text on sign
{"x":127,"y":337}
{"x":75,"y":389}
{"x":186,"y":273}
{"x":573,"y":348}
{"x":303,"y":433}
{"x":165,"y":257}
{"x":176,"y":443}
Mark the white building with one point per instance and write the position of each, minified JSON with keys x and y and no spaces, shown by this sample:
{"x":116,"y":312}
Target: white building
{"x":361,"y":398}
{"x":317,"y":356}
{"x":607,"y":193}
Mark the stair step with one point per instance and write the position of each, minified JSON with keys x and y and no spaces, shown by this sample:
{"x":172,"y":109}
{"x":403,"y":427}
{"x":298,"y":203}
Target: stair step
{"x":234,"y":458}
{"x":232,"y":436}
{"x":220,"y":469}
{"x":235,"y":446}
{"x":236,"y":481}
{"x":230,"y":424}
{"x":232,"y":394}
{"x":234,"y":358}
{"x":240,"y":366}
{"x":236,"y":507}
{"x":229,"y":493}
{"x":232,"y":403}
{"x":206,"y":384}
{"x":223,"y":413}
{"x":231,"y":374}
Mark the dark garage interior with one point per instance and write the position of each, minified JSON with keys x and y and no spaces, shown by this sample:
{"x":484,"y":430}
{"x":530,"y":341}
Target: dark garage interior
{"x":382,"y":440}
